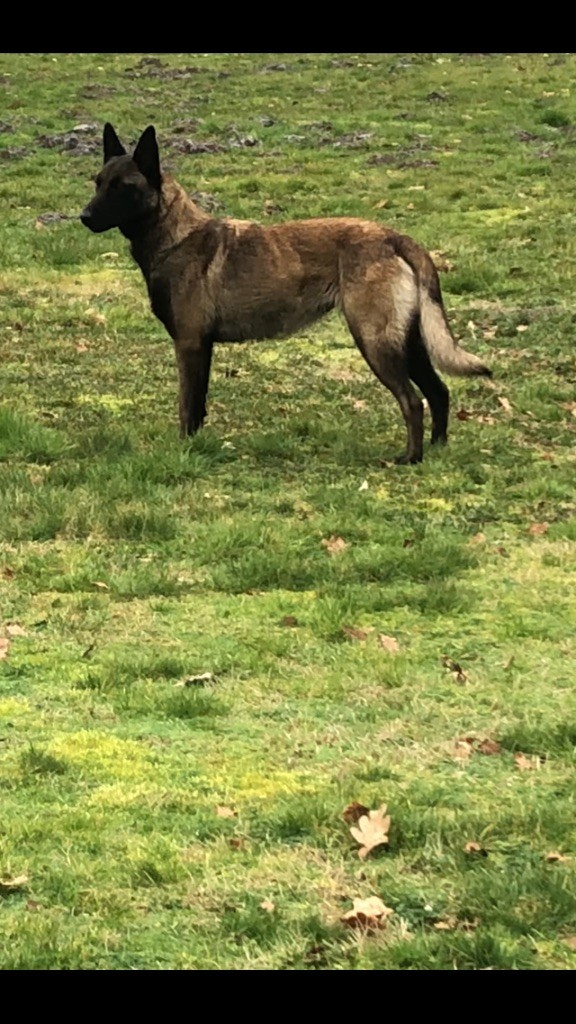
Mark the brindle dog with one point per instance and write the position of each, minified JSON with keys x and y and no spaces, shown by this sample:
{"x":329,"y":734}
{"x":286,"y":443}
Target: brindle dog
{"x":213,"y":280}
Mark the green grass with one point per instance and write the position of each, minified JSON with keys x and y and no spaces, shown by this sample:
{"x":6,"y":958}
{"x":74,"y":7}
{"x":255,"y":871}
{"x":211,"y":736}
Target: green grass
{"x":133,"y":563}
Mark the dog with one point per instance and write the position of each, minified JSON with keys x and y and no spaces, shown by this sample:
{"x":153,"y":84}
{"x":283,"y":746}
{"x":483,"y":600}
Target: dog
{"x":223,"y":280}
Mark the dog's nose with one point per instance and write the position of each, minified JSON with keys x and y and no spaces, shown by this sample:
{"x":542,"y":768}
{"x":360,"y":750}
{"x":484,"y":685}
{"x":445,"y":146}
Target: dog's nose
{"x":86,"y":217}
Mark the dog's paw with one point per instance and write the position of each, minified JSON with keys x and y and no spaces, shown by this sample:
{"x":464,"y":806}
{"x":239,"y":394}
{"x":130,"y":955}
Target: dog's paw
{"x":405,"y":459}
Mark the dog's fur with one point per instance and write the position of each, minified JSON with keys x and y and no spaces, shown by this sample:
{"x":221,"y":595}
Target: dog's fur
{"x":213,"y":280}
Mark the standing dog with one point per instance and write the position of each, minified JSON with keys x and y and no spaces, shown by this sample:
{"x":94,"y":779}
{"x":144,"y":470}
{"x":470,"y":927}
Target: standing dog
{"x":213,"y":280}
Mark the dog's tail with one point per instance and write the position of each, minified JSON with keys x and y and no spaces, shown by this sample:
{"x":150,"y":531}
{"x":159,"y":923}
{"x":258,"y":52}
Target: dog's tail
{"x":442,"y":347}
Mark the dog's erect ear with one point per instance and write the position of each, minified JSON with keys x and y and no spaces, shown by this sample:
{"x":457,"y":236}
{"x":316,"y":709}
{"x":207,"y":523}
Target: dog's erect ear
{"x":147,"y":158}
{"x":112,"y":144}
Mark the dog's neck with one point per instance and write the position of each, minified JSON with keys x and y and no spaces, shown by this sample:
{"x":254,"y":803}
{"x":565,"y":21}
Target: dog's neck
{"x":174,"y":219}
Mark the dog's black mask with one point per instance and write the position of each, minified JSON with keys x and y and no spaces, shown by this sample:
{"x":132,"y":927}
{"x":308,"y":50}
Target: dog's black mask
{"x":127,"y":187}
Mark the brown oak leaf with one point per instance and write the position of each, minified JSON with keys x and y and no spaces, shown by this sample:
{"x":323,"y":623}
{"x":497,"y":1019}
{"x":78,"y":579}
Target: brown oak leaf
{"x":537,"y":529}
{"x":447,"y":924}
{"x":457,"y":671}
{"x":354,"y":812}
{"x":13,"y":629}
{"x":463,"y":747}
{"x":371,"y":831}
{"x":388,"y":643}
{"x":354,"y":633}
{"x":488,"y":747}
{"x":475,"y":850}
{"x":289,"y":620}
{"x":334,"y":545}
{"x":505,"y":404}
{"x":369,"y":914}
{"x":225,"y":812}
{"x":441,"y":261}
{"x":525,"y":764}
{"x":14,"y":883}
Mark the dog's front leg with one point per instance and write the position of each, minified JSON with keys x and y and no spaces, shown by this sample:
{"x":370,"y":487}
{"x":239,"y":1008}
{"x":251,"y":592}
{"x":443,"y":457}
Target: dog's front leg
{"x":193,"y":361}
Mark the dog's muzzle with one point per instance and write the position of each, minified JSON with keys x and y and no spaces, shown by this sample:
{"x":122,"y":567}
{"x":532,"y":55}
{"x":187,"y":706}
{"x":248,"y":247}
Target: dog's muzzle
{"x":86,"y":218}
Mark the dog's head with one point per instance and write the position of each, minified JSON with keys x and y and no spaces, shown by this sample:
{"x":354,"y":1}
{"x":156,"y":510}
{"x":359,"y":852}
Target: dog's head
{"x":127,"y":187}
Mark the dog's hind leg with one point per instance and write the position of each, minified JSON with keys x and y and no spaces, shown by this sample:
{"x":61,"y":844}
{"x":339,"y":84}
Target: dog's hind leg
{"x":424,"y":375}
{"x":390,"y":368}
{"x":384,"y":347}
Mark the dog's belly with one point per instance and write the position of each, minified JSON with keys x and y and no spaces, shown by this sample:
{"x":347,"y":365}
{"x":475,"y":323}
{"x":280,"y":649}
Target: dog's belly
{"x":259,"y":318}
{"x":262,"y":325}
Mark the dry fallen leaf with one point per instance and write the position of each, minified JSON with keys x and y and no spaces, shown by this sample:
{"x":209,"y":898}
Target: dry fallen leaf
{"x":200,"y":680}
{"x":13,"y":629}
{"x":371,"y":831}
{"x":537,"y":529}
{"x":100,"y":585}
{"x":354,"y":812}
{"x":475,"y":850}
{"x":8,"y":573}
{"x":441,"y":261}
{"x":469,"y":925}
{"x":463,"y":414}
{"x":14,"y":883}
{"x":463,"y":747}
{"x":506,"y":405}
{"x":237,"y":843}
{"x":478,"y":538}
{"x":457,"y":671}
{"x":388,"y":643}
{"x":556,"y":858}
{"x":4,"y":648}
{"x":268,"y":905}
{"x":225,"y":812}
{"x":354,"y":633}
{"x":488,"y":747}
{"x":289,"y":620}
{"x":360,"y":405}
{"x":381,"y":204}
{"x":368,"y":914}
{"x":526,"y":764}
{"x":334,"y":545}
{"x":521,"y":328}
{"x":448,"y":924}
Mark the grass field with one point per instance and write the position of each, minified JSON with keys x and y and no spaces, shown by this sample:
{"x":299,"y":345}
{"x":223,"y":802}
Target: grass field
{"x":362,"y":632}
